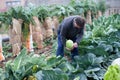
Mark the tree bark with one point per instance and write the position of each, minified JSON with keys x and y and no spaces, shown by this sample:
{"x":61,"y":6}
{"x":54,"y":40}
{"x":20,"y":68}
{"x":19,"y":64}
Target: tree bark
{"x":37,"y":33}
{"x":56,"y":24}
{"x":99,"y":13}
{"x":15,"y":35}
{"x":48,"y":24}
{"x":89,"y":19}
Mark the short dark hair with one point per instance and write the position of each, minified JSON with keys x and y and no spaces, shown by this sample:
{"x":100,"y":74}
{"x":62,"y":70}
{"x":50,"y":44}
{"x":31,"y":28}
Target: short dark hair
{"x":80,"y":21}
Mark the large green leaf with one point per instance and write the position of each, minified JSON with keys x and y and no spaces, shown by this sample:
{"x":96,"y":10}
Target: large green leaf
{"x":91,"y":73}
{"x":83,"y":77}
{"x":51,"y":75}
{"x":55,"y":61}
{"x":19,"y":59}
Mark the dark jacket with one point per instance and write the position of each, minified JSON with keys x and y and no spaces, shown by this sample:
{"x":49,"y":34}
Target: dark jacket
{"x":68,"y":31}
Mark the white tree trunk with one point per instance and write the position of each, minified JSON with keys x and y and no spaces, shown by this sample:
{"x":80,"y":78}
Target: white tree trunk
{"x":28,"y":42}
{"x":1,"y":54}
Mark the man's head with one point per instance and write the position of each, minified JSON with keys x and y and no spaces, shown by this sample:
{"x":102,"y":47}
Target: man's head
{"x":79,"y":22}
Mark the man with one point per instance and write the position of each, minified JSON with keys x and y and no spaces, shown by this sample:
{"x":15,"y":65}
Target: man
{"x":71,"y":28}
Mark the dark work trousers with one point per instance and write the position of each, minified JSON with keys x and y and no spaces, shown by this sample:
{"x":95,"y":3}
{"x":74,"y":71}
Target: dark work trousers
{"x":60,"y":49}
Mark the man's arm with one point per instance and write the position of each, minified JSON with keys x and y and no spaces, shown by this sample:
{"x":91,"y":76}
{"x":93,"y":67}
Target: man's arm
{"x":63,"y":34}
{"x":79,"y":36}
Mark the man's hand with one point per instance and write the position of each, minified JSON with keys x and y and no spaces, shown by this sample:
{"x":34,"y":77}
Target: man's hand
{"x":75,"y":45}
